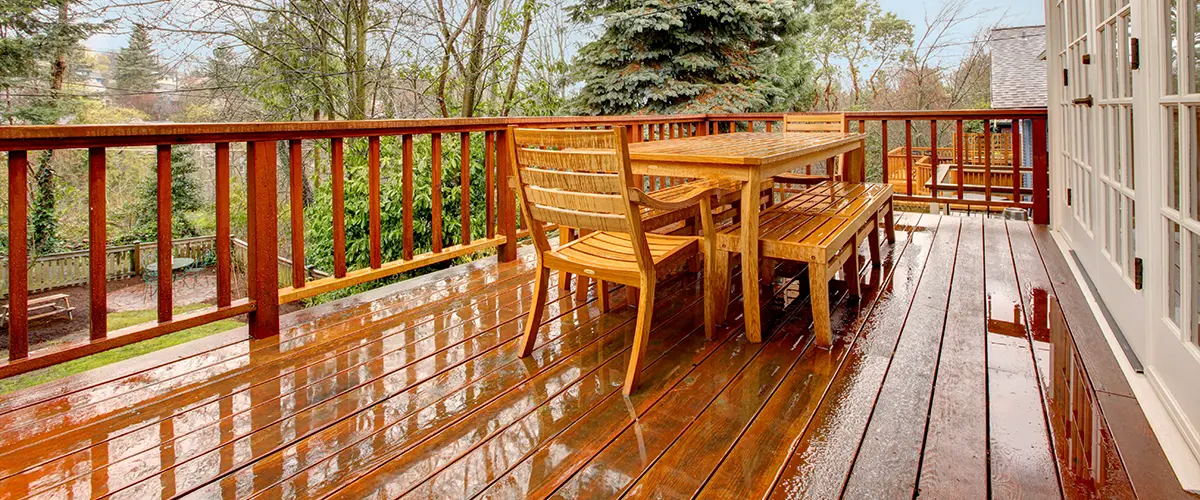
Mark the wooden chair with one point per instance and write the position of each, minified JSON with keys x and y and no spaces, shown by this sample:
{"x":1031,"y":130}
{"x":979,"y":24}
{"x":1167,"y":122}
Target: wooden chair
{"x":812,"y":123}
{"x":582,"y":179}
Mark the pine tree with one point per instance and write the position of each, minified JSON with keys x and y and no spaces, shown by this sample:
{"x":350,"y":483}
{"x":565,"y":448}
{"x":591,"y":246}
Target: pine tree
{"x":136,"y":70}
{"x":679,"y":56}
{"x":185,"y":198}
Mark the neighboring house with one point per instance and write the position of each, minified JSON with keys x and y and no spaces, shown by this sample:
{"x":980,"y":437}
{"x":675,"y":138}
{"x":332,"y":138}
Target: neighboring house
{"x":1019,"y":76}
{"x":1018,"y":70}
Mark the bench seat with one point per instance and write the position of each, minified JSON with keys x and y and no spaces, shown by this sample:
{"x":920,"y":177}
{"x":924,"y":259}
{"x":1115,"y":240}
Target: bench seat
{"x":823,"y":227}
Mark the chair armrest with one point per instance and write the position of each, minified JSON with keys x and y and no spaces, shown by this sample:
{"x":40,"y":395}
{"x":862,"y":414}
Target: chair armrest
{"x":679,"y":200}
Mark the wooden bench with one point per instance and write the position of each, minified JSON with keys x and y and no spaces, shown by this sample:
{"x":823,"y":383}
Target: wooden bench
{"x":43,"y":307}
{"x":822,"y":227}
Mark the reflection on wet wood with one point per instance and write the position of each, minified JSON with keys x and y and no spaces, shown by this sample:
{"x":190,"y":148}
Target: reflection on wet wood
{"x":968,"y":330}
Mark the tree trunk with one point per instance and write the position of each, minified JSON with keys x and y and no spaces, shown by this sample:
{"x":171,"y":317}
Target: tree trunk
{"x":58,"y":74}
{"x":475,"y":60}
{"x":517,"y":58}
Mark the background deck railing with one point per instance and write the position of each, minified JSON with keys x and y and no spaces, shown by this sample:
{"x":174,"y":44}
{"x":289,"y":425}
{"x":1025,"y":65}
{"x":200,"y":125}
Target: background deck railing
{"x":501,"y":224}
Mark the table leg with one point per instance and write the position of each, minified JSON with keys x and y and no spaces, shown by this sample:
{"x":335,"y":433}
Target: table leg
{"x":751,"y":193}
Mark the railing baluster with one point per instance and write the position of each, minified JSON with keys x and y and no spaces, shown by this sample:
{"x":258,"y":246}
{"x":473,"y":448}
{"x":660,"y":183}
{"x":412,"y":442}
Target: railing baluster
{"x":1016,"y":160}
{"x":768,"y":125}
{"x":489,"y":165}
{"x":960,"y":141}
{"x":435,"y":184}
{"x":223,"y":242}
{"x":97,"y":244}
{"x":933,"y":159}
{"x":883,"y":151}
{"x":164,"y":234}
{"x":337,"y":171}
{"x":263,"y":253}
{"x":908,"y":156}
{"x":406,"y":159}
{"x":862,"y":126}
{"x":373,"y":208}
{"x":18,"y":256}
{"x":465,"y":186}
{"x":987,"y":160}
{"x":296,"y":202}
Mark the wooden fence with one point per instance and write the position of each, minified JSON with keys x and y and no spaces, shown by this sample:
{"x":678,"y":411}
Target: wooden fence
{"x":60,"y":270}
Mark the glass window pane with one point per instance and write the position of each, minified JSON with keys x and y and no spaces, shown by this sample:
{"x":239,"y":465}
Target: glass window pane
{"x":1174,"y":291}
{"x":1173,"y":47}
{"x":1173,"y":167}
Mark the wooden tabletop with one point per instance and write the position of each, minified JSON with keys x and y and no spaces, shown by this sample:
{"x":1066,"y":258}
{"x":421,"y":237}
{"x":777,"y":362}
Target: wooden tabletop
{"x":742,"y":148}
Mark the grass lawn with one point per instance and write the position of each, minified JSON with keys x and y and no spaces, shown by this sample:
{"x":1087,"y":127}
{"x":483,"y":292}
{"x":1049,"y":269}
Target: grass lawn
{"x":117,"y":321}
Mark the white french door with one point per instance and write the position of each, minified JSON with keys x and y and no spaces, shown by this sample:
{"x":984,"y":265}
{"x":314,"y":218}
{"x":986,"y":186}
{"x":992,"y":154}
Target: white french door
{"x":1126,"y":174}
{"x":1097,"y":106}
{"x":1174,"y":195}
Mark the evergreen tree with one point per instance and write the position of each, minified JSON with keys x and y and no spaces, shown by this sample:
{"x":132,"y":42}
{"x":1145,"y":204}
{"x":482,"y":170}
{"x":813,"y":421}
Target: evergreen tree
{"x":185,"y":198}
{"x":43,"y":217}
{"x":680,"y":56}
{"x":136,"y":70}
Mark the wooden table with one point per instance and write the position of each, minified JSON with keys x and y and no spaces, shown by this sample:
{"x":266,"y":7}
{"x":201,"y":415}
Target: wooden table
{"x":749,"y":158}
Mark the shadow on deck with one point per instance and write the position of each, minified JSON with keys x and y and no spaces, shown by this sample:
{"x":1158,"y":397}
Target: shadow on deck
{"x":955,"y":376}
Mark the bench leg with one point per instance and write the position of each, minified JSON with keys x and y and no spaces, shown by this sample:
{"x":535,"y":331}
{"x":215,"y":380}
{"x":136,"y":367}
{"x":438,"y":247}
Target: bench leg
{"x":873,"y":242}
{"x":818,"y":286}
{"x":631,"y":295}
{"x":768,"y":270}
{"x":719,"y":286}
{"x":889,"y":222}
{"x":581,"y":287}
{"x":641,"y":337}
{"x":694,"y":262}
{"x":850,"y":269}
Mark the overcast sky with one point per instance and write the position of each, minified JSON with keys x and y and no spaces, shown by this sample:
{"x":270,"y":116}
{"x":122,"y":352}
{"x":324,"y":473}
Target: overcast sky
{"x":1005,"y":12}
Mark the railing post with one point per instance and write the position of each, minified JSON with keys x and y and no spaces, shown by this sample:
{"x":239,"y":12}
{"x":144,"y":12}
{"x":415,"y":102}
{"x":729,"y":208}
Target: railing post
{"x":263,"y":265}
{"x":1041,"y":173}
{"x":508,"y":207}
{"x":18,"y":284}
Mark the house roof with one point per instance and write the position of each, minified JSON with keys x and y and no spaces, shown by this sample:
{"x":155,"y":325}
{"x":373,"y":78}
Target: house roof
{"x":1018,"y":71}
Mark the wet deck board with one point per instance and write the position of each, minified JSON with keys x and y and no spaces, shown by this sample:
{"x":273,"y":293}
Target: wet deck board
{"x":414,"y":390}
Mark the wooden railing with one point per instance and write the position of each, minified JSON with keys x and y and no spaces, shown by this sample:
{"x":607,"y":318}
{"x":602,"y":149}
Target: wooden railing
{"x":501,"y":230}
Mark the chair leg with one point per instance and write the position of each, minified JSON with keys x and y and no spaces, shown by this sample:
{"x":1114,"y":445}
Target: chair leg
{"x":534,"y":321}
{"x":631,"y":295}
{"x":581,"y":288}
{"x":602,"y":293}
{"x":767,"y":271}
{"x":565,"y":235}
{"x":641,"y":337}
{"x":818,"y":286}
{"x":694,"y":262}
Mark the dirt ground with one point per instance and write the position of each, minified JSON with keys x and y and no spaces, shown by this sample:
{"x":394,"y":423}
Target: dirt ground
{"x":131,"y":294}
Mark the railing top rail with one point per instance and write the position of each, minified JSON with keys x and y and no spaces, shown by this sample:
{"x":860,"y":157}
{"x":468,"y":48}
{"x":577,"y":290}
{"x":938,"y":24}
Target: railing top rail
{"x":22,"y":137}
{"x":949,"y":114}
{"x":27,"y":137}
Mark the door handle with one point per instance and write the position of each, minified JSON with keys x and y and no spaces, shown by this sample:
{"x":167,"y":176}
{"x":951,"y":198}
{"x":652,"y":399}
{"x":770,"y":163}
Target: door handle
{"x":1084,"y":100}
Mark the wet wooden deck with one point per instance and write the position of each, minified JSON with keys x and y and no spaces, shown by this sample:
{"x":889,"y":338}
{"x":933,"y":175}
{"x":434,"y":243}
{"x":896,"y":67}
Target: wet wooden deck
{"x":955,"y":376}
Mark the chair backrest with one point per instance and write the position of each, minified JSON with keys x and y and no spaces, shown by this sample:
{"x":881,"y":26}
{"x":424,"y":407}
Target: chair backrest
{"x":576,"y":178}
{"x":808,"y":122}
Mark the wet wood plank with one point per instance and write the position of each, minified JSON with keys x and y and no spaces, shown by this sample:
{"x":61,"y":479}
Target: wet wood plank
{"x":1022,"y":460}
{"x":1136,"y":445}
{"x":416,"y":392}
{"x":751,"y":459}
{"x":889,"y":457}
{"x":821,"y":458}
{"x":954,"y":462}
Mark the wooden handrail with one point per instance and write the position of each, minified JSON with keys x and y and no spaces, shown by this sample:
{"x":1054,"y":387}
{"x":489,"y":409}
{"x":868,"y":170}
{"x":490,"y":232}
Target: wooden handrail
{"x":501,"y":231}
